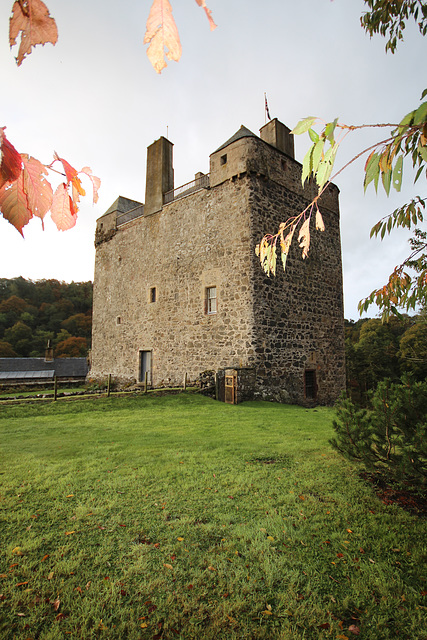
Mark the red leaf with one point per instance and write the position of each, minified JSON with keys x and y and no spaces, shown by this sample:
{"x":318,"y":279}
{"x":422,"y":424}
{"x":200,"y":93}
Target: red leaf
{"x":64,"y":214}
{"x":161,"y":34}
{"x":11,"y":163}
{"x":31,"y":20}
{"x":202,"y":3}
{"x":325,"y":625}
{"x":340,"y":555}
{"x":14,"y":204}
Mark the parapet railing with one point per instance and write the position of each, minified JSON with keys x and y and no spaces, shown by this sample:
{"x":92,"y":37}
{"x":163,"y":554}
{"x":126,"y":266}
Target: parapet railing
{"x":132,"y":214}
{"x":202,"y":182}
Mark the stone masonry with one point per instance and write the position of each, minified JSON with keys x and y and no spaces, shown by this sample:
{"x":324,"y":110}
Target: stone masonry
{"x":179,"y":290}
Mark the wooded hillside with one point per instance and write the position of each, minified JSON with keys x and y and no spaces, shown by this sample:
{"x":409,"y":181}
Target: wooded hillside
{"x":33,"y":312}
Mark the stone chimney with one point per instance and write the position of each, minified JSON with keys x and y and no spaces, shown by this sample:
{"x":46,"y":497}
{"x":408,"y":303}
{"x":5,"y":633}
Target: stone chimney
{"x":48,"y":354}
{"x":159,"y":174}
{"x":279,"y":136}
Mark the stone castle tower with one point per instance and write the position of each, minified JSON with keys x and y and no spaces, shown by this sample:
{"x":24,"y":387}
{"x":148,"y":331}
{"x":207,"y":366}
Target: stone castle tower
{"x":179,"y":290}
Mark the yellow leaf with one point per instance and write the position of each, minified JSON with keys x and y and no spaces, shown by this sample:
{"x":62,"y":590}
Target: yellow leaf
{"x":144,"y":625}
{"x":69,"y":533}
{"x":211,"y":568}
{"x":267,"y":612}
{"x":71,"y":495}
{"x":270,"y":538}
{"x":162,"y":34}
{"x":17,"y":551}
{"x":168,"y":566}
{"x":349,"y":531}
{"x":50,"y":576}
{"x":180,"y":539}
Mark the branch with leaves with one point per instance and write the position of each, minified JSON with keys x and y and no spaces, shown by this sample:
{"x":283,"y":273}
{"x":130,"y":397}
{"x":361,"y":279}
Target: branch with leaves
{"x":385,"y":162}
{"x":26,"y":193}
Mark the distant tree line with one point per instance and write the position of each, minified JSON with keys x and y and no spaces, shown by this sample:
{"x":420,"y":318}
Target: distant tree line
{"x":377,"y":350}
{"x":34,"y":312}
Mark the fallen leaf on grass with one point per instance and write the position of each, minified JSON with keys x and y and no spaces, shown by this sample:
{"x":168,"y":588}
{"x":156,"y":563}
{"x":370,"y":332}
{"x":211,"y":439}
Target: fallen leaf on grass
{"x":17,"y":551}
{"x":325,"y":625}
{"x":45,"y":557}
{"x":21,"y":583}
{"x":354,"y":629}
{"x":69,"y":533}
{"x":144,"y":625}
{"x":210,"y":568}
{"x":180,"y":539}
{"x":50,"y":576}
{"x":88,"y":584}
{"x":56,"y":604}
{"x":71,"y":495}
{"x":168,"y":566}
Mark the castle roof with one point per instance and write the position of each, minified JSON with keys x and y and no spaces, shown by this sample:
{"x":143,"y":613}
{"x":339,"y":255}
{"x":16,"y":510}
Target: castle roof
{"x":243,"y":132}
{"x":122,"y":205}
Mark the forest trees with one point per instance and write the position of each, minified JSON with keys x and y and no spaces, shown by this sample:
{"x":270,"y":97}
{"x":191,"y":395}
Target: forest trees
{"x":31,"y":313}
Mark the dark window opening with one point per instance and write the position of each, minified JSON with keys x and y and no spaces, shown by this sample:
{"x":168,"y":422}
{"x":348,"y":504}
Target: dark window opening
{"x":153,"y":294}
{"x":118,"y":320}
{"x":223,"y":159}
{"x":310,"y":386}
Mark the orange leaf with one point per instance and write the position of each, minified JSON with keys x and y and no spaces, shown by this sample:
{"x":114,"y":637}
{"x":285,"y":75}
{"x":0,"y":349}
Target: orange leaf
{"x":64,"y":213}
{"x":168,"y":566}
{"x":21,"y":583}
{"x":69,"y":533}
{"x":31,"y":20}
{"x":161,"y":34}
{"x":11,"y":163}
{"x":202,"y":3}
{"x":45,"y":557}
{"x":14,"y":204}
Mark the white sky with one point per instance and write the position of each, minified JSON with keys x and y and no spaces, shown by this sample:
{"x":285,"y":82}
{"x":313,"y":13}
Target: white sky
{"x":95,"y":99}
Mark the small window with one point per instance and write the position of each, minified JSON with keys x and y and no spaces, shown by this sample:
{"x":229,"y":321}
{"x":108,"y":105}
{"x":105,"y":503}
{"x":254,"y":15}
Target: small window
{"x":118,"y":320}
{"x":310,"y":386}
{"x":223,"y":159}
{"x":211,"y":306}
{"x":153,"y":294}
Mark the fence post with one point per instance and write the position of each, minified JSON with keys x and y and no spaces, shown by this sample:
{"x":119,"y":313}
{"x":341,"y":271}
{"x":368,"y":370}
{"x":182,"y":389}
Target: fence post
{"x":55,"y":388}
{"x":109,"y":385}
{"x":146,"y":382}
{"x":185,"y":382}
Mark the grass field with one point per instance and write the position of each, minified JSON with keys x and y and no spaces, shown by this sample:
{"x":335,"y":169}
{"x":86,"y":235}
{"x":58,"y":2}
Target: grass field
{"x":180,"y":517}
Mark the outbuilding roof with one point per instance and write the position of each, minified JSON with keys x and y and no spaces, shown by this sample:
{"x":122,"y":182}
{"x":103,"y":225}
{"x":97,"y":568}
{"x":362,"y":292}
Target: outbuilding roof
{"x":25,"y":368}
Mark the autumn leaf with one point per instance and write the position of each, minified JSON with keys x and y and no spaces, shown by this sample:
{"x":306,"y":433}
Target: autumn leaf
{"x":31,"y":21}
{"x":56,"y":604}
{"x":208,"y":12}
{"x":11,"y":163}
{"x":354,"y":629}
{"x":37,"y":189}
{"x":162,"y":34}
{"x":304,"y":238}
{"x":63,"y":212}
{"x":14,"y":204}
{"x":96,"y":182}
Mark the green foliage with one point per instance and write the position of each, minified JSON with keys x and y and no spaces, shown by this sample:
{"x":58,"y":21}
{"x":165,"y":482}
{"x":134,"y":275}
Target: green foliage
{"x":49,"y":309}
{"x":391,"y":435}
{"x":389,"y":17}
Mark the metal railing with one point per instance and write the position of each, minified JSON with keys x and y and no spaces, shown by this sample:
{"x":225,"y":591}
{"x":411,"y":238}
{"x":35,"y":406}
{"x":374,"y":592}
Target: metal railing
{"x":132,"y":214}
{"x":201,"y":182}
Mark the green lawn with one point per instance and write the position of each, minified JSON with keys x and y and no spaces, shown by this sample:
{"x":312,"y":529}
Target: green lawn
{"x":181,"y":517}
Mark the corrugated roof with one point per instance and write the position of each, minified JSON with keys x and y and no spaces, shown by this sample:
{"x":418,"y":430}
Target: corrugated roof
{"x":26,"y":375}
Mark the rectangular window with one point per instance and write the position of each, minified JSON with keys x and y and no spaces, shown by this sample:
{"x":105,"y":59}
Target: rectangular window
{"x":153,"y":294}
{"x":145,"y":366}
{"x":223,"y":159}
{"x":211,"y":306}
{"x":310,"y":386}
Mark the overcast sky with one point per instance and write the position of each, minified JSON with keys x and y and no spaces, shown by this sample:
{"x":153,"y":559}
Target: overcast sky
{"x":95,"y":99}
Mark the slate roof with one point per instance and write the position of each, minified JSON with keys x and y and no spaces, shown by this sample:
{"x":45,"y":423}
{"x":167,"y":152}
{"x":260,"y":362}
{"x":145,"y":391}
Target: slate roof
{"x":39,"y":368}
{"x":243,"y":132}
{"x":122,"y":205}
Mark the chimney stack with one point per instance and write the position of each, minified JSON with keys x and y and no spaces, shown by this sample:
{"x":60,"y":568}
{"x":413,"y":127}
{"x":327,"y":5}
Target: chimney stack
{"x":48,"y":355}
{"x":159,"y":174}
{"x":279,"y":136}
